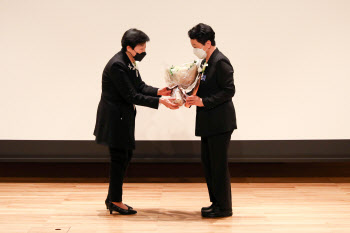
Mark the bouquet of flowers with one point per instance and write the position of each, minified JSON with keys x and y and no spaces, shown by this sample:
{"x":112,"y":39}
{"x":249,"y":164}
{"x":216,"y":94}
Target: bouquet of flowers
{"x":183,"y":80}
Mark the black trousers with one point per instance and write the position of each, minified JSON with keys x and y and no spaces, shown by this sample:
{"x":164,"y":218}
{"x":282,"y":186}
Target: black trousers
{"x":120,"y":159}
{"x":214,"y":160}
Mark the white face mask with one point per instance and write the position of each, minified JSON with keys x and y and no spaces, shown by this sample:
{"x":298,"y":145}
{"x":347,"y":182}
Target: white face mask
{"x":200,"y":53}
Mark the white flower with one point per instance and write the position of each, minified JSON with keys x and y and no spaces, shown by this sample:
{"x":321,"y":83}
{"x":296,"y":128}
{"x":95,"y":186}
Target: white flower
{"x":131,"y":67}
{"x":202,"y":68}
{"x":135,"y":67}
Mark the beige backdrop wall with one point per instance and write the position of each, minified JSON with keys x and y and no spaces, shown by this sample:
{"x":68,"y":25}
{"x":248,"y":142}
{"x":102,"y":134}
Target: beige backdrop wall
{"x":291,"y":61}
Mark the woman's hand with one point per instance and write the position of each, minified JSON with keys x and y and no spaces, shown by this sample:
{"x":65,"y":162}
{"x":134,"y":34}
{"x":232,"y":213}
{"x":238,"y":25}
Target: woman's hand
{"x":167,"y":103}
{"x":164,"y":91}
{"x":194,"y":100}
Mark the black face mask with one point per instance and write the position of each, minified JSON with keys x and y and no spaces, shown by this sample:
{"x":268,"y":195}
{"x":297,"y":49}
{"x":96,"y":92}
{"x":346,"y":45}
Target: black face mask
{"x":139,"y":56}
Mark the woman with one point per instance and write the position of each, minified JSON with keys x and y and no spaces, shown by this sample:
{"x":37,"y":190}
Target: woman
{"x":215,"y":118}
{"x":122,"y":89}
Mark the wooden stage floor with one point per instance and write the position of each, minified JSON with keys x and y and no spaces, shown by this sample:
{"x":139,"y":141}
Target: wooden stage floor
{"x":270,"y":205}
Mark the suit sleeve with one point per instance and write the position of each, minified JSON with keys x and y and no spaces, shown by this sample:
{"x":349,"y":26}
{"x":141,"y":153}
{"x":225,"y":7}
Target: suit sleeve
{"x":127,"y":90}
{"x":148,"y":90}
{"x":225,"y":82}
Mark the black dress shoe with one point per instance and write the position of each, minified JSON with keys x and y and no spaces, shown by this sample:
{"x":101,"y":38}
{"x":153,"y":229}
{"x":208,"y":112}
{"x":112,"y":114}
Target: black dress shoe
{"x":107,"y":205}
{"x":113,"y":207}
{"x":208,"y":209}
{"x":217,"y":212}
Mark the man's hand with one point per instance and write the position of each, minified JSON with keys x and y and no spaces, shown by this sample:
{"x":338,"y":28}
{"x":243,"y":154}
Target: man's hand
{"x":167,"y":103}
{"x":194,"y":100}
{"x":164,"y":91}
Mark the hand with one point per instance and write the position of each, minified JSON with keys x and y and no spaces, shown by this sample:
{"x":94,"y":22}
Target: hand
{"x":164,"y":91}
{"x":194,"y":100}
{"x":167,"y":103}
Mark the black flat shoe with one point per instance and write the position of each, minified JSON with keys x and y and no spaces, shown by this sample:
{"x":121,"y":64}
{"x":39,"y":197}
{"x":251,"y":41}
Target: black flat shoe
{"x":208,"y":209}
{"x":107,"y":205}
{"x":122,"y":211}
{"x":216,"y":212}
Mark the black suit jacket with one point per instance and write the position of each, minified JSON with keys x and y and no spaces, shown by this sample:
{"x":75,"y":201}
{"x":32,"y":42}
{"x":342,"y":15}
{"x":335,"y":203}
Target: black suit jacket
{"x":122,"y":87}
{"x":216,"y":90}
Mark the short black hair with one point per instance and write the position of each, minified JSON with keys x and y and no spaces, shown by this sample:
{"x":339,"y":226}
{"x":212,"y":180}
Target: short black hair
{"x":202,"y":33}
{"x":133,"y":37}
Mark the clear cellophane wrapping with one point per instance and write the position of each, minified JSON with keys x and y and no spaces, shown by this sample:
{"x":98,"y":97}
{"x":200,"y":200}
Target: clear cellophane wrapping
{"x":182,"y":79}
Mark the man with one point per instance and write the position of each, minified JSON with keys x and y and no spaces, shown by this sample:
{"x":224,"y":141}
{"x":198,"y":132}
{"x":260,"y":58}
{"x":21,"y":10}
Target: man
{"x":215,"y":118}
{"x":122,"y":89}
